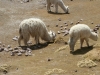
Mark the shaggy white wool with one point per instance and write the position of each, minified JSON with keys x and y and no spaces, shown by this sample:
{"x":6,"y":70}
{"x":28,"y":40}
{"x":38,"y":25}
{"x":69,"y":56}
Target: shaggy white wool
{"x":56,"y":3}
{"x":36,"y":28}
{"x":82,"y":32}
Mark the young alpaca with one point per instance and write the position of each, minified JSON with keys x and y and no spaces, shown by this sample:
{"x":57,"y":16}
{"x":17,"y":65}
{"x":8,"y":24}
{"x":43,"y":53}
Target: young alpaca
{"x":36,"y":28}
{"x":82,"y":32}
{"x":56,"y":3}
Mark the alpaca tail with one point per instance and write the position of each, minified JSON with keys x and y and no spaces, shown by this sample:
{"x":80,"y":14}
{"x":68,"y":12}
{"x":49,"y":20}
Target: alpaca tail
{"x":20,"y":36}
{"x":65,"y":8}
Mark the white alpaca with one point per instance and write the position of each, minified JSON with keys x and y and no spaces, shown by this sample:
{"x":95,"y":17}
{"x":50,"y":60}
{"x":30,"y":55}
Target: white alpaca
{"x":36,"y":28}
{"x":56,"y":3}
{"x":82,"y":32}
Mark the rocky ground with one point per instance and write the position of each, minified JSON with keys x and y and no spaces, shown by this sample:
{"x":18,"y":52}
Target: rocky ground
{"x":49,"y":59}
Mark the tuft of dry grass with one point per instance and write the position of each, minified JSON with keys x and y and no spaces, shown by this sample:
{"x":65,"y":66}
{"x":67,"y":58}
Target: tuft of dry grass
{"x":86,"y":63}
{"x":60,"y":40}
{"x":4,"y":68}
{"x":55,"y":71}
{"x":61,"y":48}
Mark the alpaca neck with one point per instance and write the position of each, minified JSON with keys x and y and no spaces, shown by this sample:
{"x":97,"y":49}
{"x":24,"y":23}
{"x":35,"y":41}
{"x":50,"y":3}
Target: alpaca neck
{"x":46,"y":37}
{"x":93,"y":36}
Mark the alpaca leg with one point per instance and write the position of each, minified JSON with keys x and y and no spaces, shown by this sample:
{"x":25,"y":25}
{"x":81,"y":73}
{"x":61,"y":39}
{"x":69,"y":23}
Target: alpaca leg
{"x":87,"y":41}
{"x":26,"y":39}
{"x":61,"y":4}
{"x":72,"y":43}
{"x":48,"y":6}
{"x":37,"y":40}
{"x":81,"y":41}
{"x":19,"y":39}
{"x":56,"y":8}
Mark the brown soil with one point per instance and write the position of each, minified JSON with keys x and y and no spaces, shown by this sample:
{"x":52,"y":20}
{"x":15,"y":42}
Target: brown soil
{"x":12,"y":12}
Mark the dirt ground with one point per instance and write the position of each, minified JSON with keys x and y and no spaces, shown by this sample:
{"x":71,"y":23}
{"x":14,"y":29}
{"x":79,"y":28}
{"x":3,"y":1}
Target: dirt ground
{"x":44,"y":59}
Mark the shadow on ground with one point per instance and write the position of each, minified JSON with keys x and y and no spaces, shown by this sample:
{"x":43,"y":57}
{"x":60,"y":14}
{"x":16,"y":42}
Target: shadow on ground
{"x":82,"y":51}
{"x":36,"y":47}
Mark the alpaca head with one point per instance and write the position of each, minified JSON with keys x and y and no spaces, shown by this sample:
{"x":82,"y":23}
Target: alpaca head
{"x":94,"y":36}
{"x":52,"y":35}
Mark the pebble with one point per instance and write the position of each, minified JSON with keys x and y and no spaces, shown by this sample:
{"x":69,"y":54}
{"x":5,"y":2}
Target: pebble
{"x":63,"y":31}
{"x":5,"y":49}
{"x":26,"y":53}
{"x":16,"y":48}
{"x":28,"y":49}
{"x":29,"y":53}
{"x":91,"y":22}
{"x":22,"y":51}
{"x":71,"y":23}
{"x":3,"y":45}
{"x":15,"y":51}
{"x":57,"y":25}
{"x":61,"y":28}
{"x":66,"y":24}
{"x":15,"y":39}
{"x":12,"y":54}
{"x":10,"y":49}
{"x":81,"y":19}
{"x":61,"y":25}
{"x":49,"y":59}
{"x":59,"y":19}
{"x":1,"y":49}
{"x":8,"y":46}
{"x":19,"y":54}
{"x":75,"y":70}
{"x":58,"y":32}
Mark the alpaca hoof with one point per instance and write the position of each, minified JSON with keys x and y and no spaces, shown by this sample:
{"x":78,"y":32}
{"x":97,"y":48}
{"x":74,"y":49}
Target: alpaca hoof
{"x":49,"y":11}
{"x":71,"y":52}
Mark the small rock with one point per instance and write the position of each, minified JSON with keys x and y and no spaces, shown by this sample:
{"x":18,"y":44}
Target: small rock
{"x":57,"y":25}
{"x":91,"y":22}
{"x":61,"y":28}
{"x":28,"y":49}
{"x":16,"y":48}
{"x":15,"y":39}
{"x":58,"y":32}
{"x":12,"y":54}
{"x":63,"y":31}
{"x":49,"y":59}
{"x":75,"y":70}
{"x":8,"y":46}
{"x":22,"y":51}
{"x":10,"y":49}
{"x":65,"y":28}
{"x":61,"y":25}
{"x":66,"y":24}
{"x":1,"y":49}
{"x":29,"y":53}
{"x":71,"y":23}
{"x":3,"y":45}
{"x":26,"y":54}
{"x":59,"y":19}
{"x":19,"y":54}
{"x":15,"y":51}
{"x":81,"y":19}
